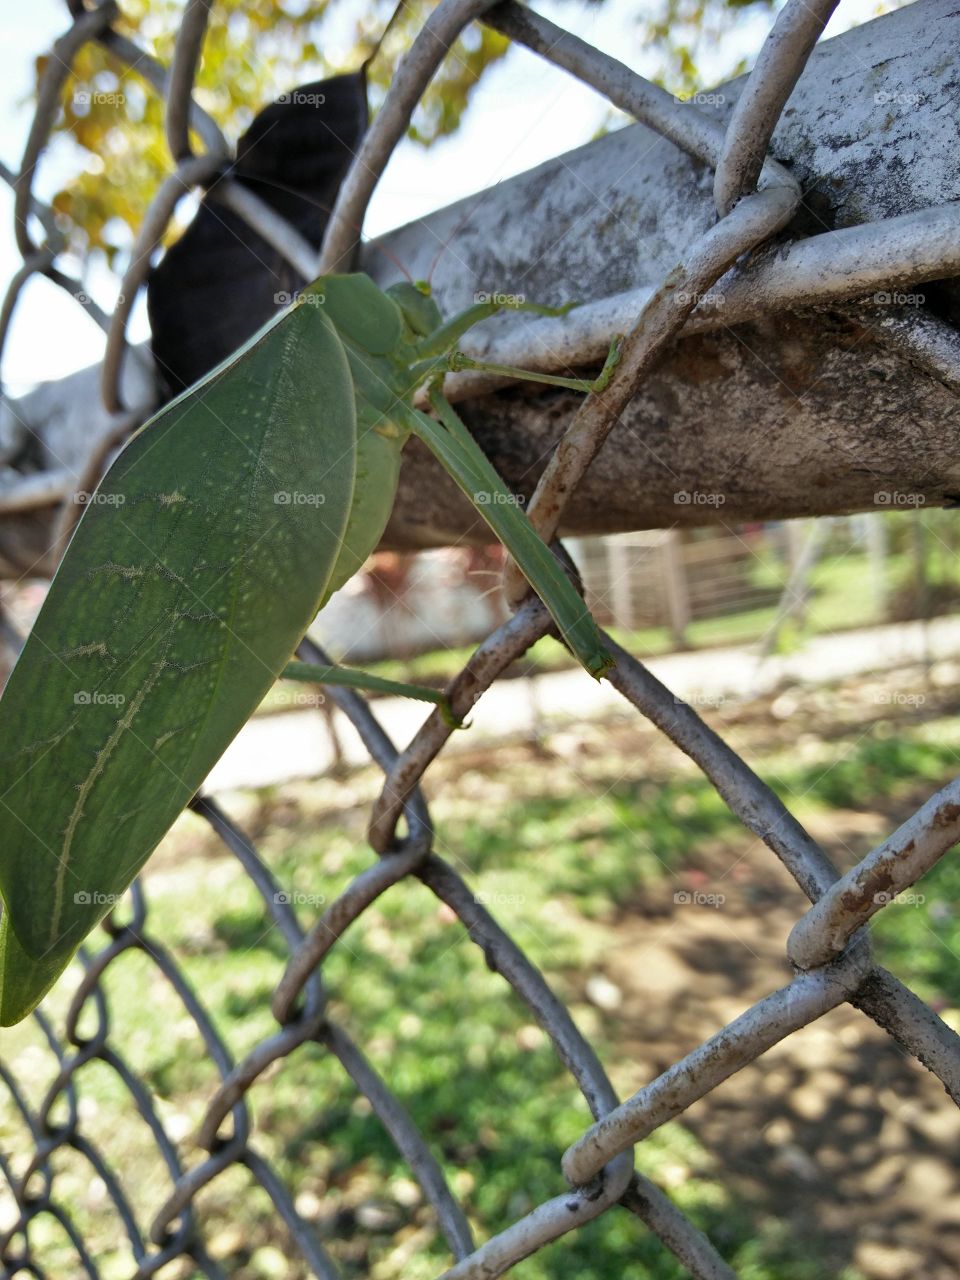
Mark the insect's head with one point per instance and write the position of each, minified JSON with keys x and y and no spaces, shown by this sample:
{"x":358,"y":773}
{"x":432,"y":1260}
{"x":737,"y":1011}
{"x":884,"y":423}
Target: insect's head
{"x":419,"y":309}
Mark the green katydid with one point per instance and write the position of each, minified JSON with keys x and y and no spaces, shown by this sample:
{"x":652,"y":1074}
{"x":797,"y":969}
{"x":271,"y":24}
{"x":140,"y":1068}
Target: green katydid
{"x":214,"y":538}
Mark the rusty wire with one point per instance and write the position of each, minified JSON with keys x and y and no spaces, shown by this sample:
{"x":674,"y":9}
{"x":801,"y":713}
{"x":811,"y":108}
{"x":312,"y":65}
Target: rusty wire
{"x":829,"y":947}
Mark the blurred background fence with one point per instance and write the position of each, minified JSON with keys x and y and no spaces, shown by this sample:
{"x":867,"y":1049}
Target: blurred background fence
{"x":770,"y":584}
{"x":715,"y":585}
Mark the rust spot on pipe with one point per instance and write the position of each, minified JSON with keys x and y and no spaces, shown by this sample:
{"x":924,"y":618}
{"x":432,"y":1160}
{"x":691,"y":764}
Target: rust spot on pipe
{"x":947,"y":815}
{"x":856,"y":899}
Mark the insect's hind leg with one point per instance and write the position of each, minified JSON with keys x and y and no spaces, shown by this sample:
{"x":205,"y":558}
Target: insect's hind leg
{"x":466,"y":463}
{"x":457,"y":361}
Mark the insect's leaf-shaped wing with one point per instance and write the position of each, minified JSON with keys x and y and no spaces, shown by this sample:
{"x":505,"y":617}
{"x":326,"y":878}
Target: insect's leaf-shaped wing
{"x":191,"y":577}
{"x":25,"y":981}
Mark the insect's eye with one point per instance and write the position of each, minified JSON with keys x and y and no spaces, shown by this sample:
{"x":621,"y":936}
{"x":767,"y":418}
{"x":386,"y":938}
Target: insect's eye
{"x":419,"y":309}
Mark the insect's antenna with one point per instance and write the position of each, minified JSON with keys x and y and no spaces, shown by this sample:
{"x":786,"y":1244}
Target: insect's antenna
{"x":384,"y":33}
{"x":392,"y":257}
{"x":325,"y":208}
{"x":445,"y":244}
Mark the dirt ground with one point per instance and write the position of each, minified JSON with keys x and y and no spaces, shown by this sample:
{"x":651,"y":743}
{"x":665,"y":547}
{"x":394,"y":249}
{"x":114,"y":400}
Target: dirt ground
{"x":835,"y":1130}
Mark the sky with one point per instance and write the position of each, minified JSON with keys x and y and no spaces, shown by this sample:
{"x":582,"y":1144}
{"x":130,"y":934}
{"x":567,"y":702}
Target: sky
{"x":524,"y":112}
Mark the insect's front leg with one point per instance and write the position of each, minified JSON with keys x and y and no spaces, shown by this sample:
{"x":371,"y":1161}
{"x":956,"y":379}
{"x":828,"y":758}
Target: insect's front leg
{"x":449,"y":334}
{"x":350,"y":678}
{"x":602,"y":380}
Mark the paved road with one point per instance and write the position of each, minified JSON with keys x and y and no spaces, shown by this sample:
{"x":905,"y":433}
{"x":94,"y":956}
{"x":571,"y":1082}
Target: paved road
{"x":296,"y":744}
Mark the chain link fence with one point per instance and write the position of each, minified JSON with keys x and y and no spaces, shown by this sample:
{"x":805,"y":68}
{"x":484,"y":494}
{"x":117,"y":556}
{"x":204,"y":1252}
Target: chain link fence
{"x":829,"y":947}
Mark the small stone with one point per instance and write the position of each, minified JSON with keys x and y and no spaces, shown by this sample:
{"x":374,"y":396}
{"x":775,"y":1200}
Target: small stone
{"x":794,"y":1160}
{"x":782,"y":708}
{"x":269,"y":1261}
{"x":406,"y":1192}
{"x":603,"y":993}
{"x":378,"y":1216}
{"x":778,"y":1131}
{"x":887,"y":1262}
{"x":308,"y":1204}
{"x":530,"y":1037}
{"x":809,"y":1101}
{"x":226,"y":1242}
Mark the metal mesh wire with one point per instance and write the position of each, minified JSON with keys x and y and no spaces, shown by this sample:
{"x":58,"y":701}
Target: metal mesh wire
{"x":829,"y":947}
